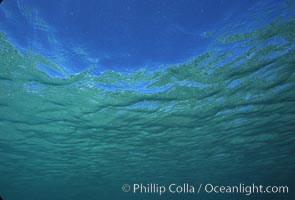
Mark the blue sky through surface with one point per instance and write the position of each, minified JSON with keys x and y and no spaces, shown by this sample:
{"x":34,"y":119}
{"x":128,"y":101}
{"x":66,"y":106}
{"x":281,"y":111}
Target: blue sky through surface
{"x":117,"y":35}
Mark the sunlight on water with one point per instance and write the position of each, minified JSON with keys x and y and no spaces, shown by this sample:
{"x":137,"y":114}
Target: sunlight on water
{"x":218,"y":117}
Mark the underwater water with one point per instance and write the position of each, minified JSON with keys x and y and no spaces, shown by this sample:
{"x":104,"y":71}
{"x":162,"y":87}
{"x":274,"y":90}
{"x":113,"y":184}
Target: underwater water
{"x":224,"y":117}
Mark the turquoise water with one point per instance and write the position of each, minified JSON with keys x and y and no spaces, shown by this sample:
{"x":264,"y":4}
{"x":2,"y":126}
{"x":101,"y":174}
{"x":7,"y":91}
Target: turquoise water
{"x":225,"y":117}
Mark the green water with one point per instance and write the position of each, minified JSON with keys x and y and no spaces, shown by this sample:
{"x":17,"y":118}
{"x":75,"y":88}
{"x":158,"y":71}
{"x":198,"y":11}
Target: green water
{"x":220,"y":118}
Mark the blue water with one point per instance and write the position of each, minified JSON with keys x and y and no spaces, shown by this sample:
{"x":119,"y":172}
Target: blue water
{"x":98,"y":94}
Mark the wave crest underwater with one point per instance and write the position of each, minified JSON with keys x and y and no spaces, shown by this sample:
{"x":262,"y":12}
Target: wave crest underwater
{"x":219,"y":117}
